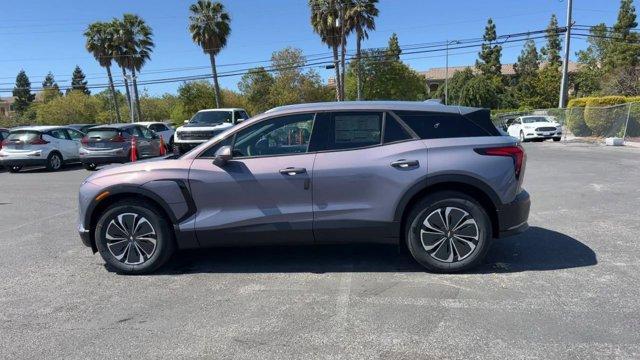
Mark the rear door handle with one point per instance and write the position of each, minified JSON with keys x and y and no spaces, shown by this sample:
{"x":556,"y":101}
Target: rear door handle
{"x":405,"y":164}
{"x":291,"y":171}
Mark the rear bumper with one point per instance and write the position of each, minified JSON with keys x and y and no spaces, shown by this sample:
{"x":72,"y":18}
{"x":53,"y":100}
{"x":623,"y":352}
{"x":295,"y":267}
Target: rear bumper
{"x":513,"y":216}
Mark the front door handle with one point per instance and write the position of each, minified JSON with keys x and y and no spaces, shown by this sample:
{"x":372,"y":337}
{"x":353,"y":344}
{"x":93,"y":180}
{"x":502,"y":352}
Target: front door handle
{"x":405,"y":164}
{"x":291,"y":171}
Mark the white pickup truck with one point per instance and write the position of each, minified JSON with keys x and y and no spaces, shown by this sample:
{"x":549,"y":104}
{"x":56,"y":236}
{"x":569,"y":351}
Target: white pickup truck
{"x":204,"y":125}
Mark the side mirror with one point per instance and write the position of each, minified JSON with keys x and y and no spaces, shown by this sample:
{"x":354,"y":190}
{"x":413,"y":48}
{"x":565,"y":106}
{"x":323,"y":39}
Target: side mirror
{"x":239,"y":120}
{"x":223,"y":155}
{"x":186,"y":121}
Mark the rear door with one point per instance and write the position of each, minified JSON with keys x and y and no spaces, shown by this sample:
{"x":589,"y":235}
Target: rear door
{"x":263,"y":194}
{"x":366,"y":162}
{"x":152,"y":141}
{"x":63,"y":143}
{"x":76,"y":138}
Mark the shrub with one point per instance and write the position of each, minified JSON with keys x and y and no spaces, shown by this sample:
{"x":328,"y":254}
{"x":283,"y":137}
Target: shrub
{"x":576,"y":122}
{"x":604,"y":118}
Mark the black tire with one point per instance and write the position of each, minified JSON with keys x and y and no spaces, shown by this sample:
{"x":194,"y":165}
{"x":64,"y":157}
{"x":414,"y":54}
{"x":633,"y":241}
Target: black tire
{"x":14,"y":168}
{"x":128,"y":264}
{"x":54,"y":161}
{"x":463,"y":257}
{"x":556,"y":139}
{"x":90,"y":166}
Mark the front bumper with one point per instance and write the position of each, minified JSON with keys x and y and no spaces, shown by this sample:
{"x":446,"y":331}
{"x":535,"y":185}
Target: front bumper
{"x":542,"y":134}
{"x":512,"y":217}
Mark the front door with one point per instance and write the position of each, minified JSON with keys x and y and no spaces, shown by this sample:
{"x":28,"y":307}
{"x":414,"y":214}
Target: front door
{"x":262,"y":195}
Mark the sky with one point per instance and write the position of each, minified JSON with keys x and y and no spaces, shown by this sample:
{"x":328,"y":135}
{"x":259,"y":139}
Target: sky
{"x":47,"y":35}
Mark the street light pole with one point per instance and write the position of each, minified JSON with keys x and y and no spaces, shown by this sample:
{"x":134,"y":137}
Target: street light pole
{"x":565,"y":64}
{"x":131,"y":100}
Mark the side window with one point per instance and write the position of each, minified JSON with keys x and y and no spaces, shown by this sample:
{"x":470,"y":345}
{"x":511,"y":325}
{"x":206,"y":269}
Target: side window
{"x":440,"y":125}
{"x":277,"y":136}
{"x":134,"y":131}
{"x":3,"y":135}
{"x":347,"y":130}
{"x":236,"y":115}
{"x":146,"y":133}
{"x":393,"y":131}
{"x":157,"y":127}
{"x":244,"y":115}
{"x":75,"y":135}
{"x":59,"y":134}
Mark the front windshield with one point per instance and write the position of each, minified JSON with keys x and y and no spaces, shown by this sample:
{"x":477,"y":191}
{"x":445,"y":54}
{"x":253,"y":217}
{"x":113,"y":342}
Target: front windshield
{"x":529,"y":120}
{"x":211,"y":117}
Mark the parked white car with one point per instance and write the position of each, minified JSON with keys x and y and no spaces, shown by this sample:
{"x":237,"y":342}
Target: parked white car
{"x":49,"y":146}
{"x":204,"y":125}
{"x":162,"y":129}
{"x":535,"y":127}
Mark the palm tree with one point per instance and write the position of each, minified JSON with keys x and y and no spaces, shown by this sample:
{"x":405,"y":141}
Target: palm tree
{"x":361,"y":16}
{"x":120,"y":53}
{"x":324,"y":19}
{"x":100,"y":43}
{"x":135,"y":45}
{"x":209,"y":25}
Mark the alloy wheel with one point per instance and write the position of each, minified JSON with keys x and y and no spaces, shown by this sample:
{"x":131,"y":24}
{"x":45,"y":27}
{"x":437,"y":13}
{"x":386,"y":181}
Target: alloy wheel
{"x":449,"y":234}
{"x":55,"y":162}
{"x":131,"y":238}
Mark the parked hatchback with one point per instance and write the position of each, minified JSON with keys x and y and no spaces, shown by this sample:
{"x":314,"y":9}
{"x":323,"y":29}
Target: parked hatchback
{"x":112,"y":144}
{"x":438,"y":180}
{"x":49,"y":146}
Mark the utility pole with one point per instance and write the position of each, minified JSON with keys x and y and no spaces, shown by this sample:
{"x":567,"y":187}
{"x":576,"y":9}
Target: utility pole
{"x":131,"y":99}
{"x":565,"y":63}
{"x":446,"y":72}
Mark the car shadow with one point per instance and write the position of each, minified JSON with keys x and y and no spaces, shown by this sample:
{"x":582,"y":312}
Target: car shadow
{"x":35,"y":170}
{"x":537,"y":249}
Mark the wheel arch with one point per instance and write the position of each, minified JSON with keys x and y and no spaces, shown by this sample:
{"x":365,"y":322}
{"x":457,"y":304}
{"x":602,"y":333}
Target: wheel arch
{"x":465,"y":184}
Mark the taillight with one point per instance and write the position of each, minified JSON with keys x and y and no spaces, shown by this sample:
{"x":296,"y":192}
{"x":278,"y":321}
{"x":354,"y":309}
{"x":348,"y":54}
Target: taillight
{"x":515,"y":152}
{"x":38,"y":141}
{"x":85,"y":140}
{"x":118,"y":138}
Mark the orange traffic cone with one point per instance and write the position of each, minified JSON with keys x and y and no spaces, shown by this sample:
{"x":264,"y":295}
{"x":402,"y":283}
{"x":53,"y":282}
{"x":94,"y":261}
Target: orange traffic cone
{"x":134,"y":149}
{"x":163,"y":148}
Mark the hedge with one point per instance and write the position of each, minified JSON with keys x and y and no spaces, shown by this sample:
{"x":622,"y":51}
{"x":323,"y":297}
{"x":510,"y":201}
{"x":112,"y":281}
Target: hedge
{"x":598,"y":116}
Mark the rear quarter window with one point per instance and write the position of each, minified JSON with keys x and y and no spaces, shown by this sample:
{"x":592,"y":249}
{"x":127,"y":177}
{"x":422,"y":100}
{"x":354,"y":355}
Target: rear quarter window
{"x":102,"y":133}
{"x":430,"y":125}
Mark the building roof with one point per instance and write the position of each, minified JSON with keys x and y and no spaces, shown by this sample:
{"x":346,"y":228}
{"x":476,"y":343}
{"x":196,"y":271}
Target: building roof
{"x":507,"y":69}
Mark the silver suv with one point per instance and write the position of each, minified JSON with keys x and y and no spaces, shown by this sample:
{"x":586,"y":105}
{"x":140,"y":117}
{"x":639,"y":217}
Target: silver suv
{"x":438,"y":180}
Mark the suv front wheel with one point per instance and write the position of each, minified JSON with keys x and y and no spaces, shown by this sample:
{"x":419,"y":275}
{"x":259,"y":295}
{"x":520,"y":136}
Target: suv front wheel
{"x":133,"y":237}
{"x":448,"y":232}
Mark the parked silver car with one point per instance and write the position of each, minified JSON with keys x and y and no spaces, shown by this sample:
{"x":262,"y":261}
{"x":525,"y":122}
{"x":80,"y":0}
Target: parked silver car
{"x":112,"y":144}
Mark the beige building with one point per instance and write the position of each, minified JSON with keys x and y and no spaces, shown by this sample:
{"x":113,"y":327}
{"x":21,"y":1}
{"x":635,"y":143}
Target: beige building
{"x":435,"y":76}
{"x":6,"y":106}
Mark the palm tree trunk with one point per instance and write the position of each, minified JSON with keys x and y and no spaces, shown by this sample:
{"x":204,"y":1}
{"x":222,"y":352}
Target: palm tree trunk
{"x":135,"y":95}
{"x":113,"y":94}
{"x":214,"y":72}
{"x":126,"y":87}
{"x":357,"y":67}
{"x":336,"y":64}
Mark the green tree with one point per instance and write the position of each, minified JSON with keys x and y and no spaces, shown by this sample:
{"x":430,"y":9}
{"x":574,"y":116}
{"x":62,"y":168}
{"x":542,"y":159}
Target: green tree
{"x":624,"y":50}
{"x":385,"y":79}
{"x":291,"y":84}
{"x":209,"y":25}
{"x":101,"y":42}
{"x":195,"y":96}
{"x":489,"y":57}
{"x":528,"y":61}
{"x":76,"y":107}
{"x":361,"y":16}
{"x":393,"y":48}
{"x":325,"y":15}
{"x":22,"y":93}
{"x":481,"y":91}
{"x":256,"y":86}
{"x":50,"y":89}
{"x":455,"y":85}
{"x":78,"y":81}
{"x":547,"y":85}
{"x":551,"y":51}
{"x":157,"y":108}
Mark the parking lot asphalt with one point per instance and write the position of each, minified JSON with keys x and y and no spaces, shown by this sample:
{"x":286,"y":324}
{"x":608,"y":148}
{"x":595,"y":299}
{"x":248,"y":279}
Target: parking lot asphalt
{"x":567,"y":288}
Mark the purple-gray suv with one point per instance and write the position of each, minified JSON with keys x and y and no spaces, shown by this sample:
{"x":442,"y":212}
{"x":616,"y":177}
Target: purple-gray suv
{"x":439,"y":180}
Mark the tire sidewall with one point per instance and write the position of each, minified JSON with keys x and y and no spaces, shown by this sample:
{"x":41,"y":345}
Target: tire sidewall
{"x":164,"y":246}
{"x":439,"y":200}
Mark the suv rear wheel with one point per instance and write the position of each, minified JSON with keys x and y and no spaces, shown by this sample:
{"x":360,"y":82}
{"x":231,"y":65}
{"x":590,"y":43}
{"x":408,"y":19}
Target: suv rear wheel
{"x":448,"y":232}
{"x":14,"y":168}
{"x":133,"y":237}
